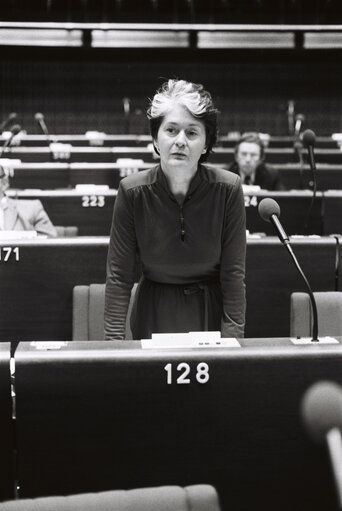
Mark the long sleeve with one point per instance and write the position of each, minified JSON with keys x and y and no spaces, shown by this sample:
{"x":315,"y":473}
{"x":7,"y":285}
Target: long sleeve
{"x":120,"y":265}
{"x":42,"y":223}
{"x":232,"y":268}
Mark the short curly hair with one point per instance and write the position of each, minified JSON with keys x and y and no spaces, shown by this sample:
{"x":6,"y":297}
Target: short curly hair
{"x":193,"y":97}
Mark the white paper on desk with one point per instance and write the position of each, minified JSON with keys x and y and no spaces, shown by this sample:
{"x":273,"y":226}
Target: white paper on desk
{"x":189,"y":340}
{"x":48,"y":345}
{"x":308,"y":340}
{"x":17,"y":235}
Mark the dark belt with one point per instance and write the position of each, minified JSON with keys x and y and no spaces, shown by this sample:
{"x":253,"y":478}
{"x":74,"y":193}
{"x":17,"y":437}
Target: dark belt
{"x":195,"y":288}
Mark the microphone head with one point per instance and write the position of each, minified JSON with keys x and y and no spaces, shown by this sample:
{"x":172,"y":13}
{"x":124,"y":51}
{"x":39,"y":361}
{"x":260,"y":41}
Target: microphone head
{"x":39,"y":116}
{"x":300,"y":117}
{"x":321,"y":409}
{"x":268,"y":207}
{"x":309,"y":138}
{"x":15,"y":129}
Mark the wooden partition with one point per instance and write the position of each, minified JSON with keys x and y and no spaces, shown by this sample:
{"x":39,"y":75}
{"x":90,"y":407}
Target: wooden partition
{"x":37,"y":278}
{"x":7,"y":446}
{"x":108,"y":415}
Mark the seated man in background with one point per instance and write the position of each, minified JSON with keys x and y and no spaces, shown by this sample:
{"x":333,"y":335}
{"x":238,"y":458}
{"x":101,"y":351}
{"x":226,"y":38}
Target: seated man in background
{"x":22,"y":215}
{"x":249,"y":164}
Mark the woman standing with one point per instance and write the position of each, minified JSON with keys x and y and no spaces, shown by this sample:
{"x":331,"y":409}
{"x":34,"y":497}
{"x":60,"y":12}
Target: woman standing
{"x":186,"y":221}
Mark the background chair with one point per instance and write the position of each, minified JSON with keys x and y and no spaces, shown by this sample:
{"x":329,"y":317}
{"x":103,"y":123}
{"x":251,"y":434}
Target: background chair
{"x":164,"y":498}
{"x":88,"y":313}
{"x":329,"y":312}
{"x":66,"y":231}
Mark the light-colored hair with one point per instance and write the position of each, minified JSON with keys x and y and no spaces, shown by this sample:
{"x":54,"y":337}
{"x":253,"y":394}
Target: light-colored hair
{"x":194,"y":98}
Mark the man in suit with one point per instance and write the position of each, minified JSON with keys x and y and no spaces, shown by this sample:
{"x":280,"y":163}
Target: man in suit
{"x":22,"y":215}
{"x":249,"y":164}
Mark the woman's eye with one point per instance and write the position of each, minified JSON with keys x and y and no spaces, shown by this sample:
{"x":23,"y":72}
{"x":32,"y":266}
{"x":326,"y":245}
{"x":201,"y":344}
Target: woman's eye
{"x":171,"y":130}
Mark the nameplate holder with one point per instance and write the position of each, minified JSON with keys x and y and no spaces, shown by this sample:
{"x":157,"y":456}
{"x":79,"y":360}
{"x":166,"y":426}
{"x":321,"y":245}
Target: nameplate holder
{"x":189,"y":340}
{"x":308,"y":340}
{"x":48,"y":345}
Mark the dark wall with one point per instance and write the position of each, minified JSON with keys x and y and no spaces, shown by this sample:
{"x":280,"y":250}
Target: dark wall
{"x":83,"y":89}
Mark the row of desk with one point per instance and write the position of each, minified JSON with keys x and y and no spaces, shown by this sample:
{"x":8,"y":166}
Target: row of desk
{"x":91,"y":210}
{"x":94,"y":416}
{"x":95,"y":138}
{"x":61,"y":175}
{"x":221,"y":155}
{"x":38,"y":276}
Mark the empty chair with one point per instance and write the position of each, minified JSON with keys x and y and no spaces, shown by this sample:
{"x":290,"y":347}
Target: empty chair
{"x":66,"y":231}
{"x":200,"y":497}
{"x":329,"y":313}
{"x":88,"y":313}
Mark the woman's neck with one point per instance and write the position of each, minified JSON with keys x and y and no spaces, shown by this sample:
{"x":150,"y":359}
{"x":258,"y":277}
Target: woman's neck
{"x":179,"y":182}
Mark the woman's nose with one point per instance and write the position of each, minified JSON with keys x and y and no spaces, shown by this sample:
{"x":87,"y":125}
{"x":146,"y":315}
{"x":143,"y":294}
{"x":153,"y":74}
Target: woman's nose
{"x":180,"y":140}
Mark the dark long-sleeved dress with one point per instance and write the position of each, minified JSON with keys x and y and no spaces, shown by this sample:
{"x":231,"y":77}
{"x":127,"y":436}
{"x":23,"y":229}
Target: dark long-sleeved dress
{"x":192,"y":255}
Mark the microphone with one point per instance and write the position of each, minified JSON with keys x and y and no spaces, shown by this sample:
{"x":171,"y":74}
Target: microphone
{"x":269,"y":211}
{"x":11,"y":117}
{"x":321,"y":411}
{"x":309,"y":139}
{"x":127,"y":109}
{"x":300,"y":118}
{"x":39,"y":117}
{"x":290,"y":115}
{"x":14,"y":131}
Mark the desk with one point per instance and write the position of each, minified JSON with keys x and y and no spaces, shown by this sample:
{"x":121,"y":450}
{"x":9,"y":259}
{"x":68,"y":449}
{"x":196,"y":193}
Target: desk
{"x":36,"y":290}
{"x":333,"y":212}
{"x":294,"y":207}
{"x":63,"y":175}
{"x":221,"y":155}
{"x":6,"y":426}
{"x":328,"y":176}
{"x":143,"y":140}
{"x":271,"y":277}
{"x":91,"y":211}
{"x":100,"y":416}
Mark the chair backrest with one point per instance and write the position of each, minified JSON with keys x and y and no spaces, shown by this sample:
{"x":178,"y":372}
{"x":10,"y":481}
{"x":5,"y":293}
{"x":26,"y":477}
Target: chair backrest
{"x":88,"y":313}
{"x":66,"y":231}
{"x":200,"y":497}
{"x":329,"y":312}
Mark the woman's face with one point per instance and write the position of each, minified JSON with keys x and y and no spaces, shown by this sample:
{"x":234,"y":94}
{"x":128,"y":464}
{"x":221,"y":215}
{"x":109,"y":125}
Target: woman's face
{"x":181,"y":139}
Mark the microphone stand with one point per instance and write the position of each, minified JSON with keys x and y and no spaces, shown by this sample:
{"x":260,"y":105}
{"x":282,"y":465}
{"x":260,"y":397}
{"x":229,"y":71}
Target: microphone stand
{"x":285,"y":241}
{"x":312,"y":298}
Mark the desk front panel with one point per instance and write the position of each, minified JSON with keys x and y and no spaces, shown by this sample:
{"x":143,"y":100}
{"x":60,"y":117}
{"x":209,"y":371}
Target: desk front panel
{"x":271,"y":277}
{"x":6,"y":426}
{"x":91,"y":211}
{"x":95,"y":416}
{"x":37,"y":279}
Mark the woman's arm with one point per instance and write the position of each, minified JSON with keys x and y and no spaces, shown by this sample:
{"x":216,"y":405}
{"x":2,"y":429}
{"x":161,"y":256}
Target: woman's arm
{"x":120,"y":265}
{"x":233,"y":261}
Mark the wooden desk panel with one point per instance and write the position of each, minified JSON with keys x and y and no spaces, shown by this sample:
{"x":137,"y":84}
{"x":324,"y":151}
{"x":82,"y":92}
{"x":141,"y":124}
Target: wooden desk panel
{"x":100,"y":416}
{"x":6,"y":426}
{"x":36,"y":291}
{"x":333,"y":212}
{"x":294,"y":212}
{"x":90,"y":210}
{"x":328,"y":176}
{"x":271,"y":277}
